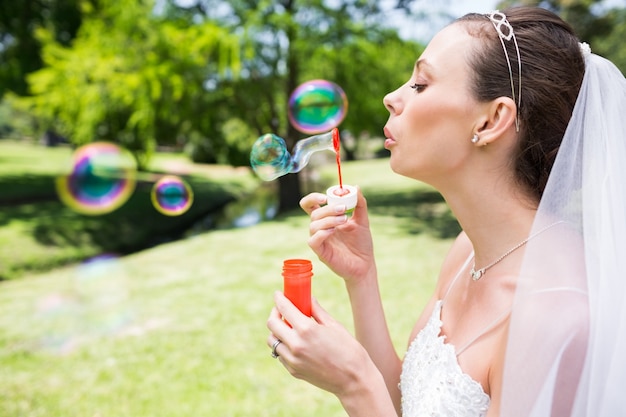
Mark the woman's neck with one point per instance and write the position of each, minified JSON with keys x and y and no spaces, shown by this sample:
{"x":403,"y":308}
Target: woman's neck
{"x":495,"y":219}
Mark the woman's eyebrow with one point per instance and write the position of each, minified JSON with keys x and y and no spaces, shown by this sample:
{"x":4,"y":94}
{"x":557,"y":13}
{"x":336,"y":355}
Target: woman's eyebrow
{"x":422,"y":63}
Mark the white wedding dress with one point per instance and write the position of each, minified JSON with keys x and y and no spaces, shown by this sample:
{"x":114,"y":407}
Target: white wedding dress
{"x":432,"y":381}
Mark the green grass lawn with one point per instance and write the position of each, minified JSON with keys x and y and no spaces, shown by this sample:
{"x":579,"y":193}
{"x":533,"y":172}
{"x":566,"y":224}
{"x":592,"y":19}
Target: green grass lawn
{"x":179,"y":329}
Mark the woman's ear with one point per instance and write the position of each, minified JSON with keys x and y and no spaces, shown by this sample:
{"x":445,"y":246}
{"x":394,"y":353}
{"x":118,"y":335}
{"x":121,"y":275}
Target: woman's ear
{"x":498,"y":119}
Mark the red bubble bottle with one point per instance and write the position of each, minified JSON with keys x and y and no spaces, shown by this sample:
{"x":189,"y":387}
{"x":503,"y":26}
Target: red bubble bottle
{"x":297,"y":274}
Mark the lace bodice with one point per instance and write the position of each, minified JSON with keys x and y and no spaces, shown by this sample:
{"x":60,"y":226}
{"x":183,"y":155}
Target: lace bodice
{"x":432,"y":381}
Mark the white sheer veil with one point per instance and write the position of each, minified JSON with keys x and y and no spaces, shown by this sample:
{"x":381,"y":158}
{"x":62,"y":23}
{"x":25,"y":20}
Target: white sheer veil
{"x":566,"y":352}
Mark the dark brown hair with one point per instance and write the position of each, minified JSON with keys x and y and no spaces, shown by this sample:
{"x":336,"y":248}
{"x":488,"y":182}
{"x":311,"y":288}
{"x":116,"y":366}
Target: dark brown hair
{"x":552,"y":72}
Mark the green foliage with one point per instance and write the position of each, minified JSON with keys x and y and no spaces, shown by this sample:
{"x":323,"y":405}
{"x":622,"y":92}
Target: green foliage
{"x":6,"y":127}
{"x":287,"y":43}
{"x":199,"y":148}
{"x":19,"y":48}
{"x":238,"y":139}
{"x":367,"y":69}
{"x":130,"y":77}
{"x":145,"y":76}
{"x":612,"y":45}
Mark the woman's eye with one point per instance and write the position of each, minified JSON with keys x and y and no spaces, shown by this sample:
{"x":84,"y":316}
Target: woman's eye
{"x":418,"y":87}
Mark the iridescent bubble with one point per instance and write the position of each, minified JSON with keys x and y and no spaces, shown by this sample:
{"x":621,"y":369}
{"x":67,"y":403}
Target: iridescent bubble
{"x":171,"y":195}
{"x":270,"y":159}
{"x":317,"y":106}
{"x":58,"y":314}
{"x":94,"y":305}
{"x":102,"y":179}
{"x":102,"y":288}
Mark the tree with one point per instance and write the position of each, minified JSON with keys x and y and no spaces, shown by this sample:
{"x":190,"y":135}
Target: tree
{"x":19,"y":48}
{"x":612,"y":45}
{"x":287,"y":42}
{"x":129,"y":77}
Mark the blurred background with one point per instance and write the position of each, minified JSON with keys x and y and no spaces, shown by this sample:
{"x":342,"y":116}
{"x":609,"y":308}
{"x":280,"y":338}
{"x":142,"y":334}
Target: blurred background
{"x":139,"y":250}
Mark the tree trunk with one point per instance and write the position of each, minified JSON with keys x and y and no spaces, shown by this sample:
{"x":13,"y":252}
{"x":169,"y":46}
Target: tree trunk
{"x":288,"y":192}
{"x":289,"y":185}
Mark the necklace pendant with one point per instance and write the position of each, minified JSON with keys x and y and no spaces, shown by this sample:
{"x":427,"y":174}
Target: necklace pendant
{"x":476,"y":274}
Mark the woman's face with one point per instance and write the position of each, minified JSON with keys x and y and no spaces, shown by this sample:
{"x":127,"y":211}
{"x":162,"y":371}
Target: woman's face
{"x":433,"y":116}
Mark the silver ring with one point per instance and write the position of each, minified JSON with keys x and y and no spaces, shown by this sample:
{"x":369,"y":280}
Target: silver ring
{"x":274,"y":346}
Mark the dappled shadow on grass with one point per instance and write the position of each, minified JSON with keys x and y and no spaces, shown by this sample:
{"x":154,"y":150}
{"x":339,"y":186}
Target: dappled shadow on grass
{"x":422,"y":210}
{"x":26,"y":188}
{"x":134,"y":226}
{"x":72,"y":236}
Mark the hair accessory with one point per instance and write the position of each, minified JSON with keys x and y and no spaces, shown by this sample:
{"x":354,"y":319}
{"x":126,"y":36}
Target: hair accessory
{"x":476,"y":275}
{"x":475,"y":138}
{"x":585,"y":49}
{"x":505,"y":33}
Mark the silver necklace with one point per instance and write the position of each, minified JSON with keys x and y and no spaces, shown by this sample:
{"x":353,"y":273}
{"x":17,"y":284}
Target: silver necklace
{"x":477,"y":274}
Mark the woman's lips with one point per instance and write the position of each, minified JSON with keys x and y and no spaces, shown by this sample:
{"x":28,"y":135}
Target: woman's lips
{"x":389,"y":140}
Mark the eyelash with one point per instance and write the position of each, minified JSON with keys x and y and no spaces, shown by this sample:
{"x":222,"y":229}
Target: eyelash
{"x":418,"y":87}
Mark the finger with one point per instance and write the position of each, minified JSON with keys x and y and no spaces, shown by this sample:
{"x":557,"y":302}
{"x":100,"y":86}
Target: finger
{"x":328,"y":222}
{"x":328,"y":210}
{"x":313,"y":201}
{"x":279,"y":330}
{"x":316,"y":241}
{"x":276,"y":346}
{"x":273,"y":319}
{"x":277,"y":325}
{"x":271,"y":339}
{"x":319,"y":313}
{"x":360,"y":211}
{"x":290,"y":313}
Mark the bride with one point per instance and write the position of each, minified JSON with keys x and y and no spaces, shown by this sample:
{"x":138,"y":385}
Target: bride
{"x":522,"y":130}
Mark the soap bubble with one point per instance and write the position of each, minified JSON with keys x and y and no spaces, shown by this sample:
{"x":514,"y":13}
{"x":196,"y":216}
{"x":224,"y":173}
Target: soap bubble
{"x":317,"y":106}
{"x":102,"y":179}
{"x":58,"y":313}
{"x":95,"y":305}
{"x":171,"y":195}
{"x":101,"y":287}
{"x":270,"y":159}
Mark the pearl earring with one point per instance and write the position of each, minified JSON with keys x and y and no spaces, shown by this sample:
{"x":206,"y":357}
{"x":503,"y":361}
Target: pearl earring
{"x":475,"y":138}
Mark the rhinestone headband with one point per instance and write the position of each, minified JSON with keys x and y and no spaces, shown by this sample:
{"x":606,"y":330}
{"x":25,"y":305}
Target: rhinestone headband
{"x":505,"y":33}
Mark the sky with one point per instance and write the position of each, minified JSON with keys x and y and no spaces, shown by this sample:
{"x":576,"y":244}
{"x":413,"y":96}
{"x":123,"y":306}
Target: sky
{"x":460,"y":7}
{"x":424,"y":30}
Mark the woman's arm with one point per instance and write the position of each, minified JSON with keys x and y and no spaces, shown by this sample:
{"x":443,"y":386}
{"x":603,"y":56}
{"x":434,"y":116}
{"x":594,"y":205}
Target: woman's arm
{"x":372,"y":332}
{"x":345,"y":245}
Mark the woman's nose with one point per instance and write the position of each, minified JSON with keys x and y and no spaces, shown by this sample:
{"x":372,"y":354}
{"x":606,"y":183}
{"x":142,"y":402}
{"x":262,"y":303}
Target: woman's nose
{"x":392,"y":102}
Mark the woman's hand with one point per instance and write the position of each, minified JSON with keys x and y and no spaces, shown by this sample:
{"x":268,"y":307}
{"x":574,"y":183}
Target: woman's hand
{"x":320,"y":350}
{"x":342,"y":242}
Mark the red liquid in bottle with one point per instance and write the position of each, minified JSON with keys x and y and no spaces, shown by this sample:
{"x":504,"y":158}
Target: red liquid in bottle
{"x":297,"y":274}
